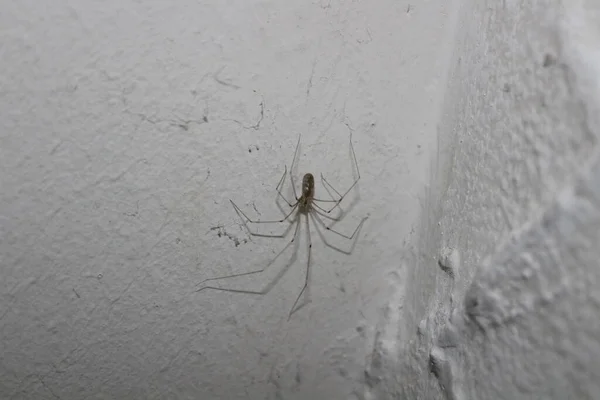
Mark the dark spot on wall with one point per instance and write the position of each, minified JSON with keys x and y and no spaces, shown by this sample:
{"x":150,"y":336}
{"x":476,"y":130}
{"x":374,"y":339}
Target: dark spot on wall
{"x":222,"y":232}
{"x":360,"y":329}
{"x":549,"y":60}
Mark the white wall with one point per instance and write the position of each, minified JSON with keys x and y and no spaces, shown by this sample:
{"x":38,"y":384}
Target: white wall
{"x":502,"y":298}
{"x":125,"y":129}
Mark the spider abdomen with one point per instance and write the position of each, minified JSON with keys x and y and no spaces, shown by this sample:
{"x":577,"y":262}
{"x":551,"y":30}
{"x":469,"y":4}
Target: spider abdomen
{"x":308,"y":192}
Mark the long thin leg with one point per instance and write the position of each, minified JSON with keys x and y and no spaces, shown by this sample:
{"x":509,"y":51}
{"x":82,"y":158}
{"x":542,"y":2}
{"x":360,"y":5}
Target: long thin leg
{"x":325,"y":212}
{"x":349,"y":237}
{"x":318,"y":206}
{"x":330,"y":185}
{"x":245,"y":221}
{"x":307,"y":268}
{"x":315,"y":207}
{"x":329,"y":217}
{"x":332,"y":200}
{"x":351,"y":187}
{"x":280,"y":186}
{"x":257,"y":271}
{"x":273,"y":221}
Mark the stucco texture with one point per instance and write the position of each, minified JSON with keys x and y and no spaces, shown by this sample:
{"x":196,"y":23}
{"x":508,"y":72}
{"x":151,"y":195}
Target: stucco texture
{"x":501,"y":300}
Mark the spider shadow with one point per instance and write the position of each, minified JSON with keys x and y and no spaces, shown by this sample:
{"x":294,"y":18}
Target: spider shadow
{"x":318,"y":222}
{"x":267,"y":235}
{"x":348,"y":208}
{"x":303,"y":303}
{"x":269,"y":286}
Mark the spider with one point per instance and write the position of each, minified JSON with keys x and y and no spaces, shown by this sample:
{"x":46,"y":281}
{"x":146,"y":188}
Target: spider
{"x":306,"y":205}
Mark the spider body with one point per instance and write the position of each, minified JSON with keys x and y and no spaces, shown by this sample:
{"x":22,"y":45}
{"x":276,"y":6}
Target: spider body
{"x":308,"y":193}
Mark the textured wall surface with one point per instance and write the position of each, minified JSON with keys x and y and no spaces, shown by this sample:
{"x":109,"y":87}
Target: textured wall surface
{"x":126,"y":128}
{"x":502,"y":298}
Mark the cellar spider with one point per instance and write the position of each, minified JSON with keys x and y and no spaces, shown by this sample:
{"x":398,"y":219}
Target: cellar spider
{"x":306,"y":205}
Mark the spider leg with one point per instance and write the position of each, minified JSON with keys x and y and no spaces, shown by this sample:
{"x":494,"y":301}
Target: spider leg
{"x":256,"y":271}
{"x":329,"y":217}
{"x":337,"y":202}
{"x":280,"y":186}
{"x":318,"y":206}
{"x":349,"y":237}
{"x":245,"y":221}
{"x":273,"y":221}
{"x":314,"y":204}
{"x":328,"y":187}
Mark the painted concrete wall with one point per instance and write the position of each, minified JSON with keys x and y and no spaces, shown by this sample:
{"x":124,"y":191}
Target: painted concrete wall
{"x":125,"y":129}
{"x":502,"y":298}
